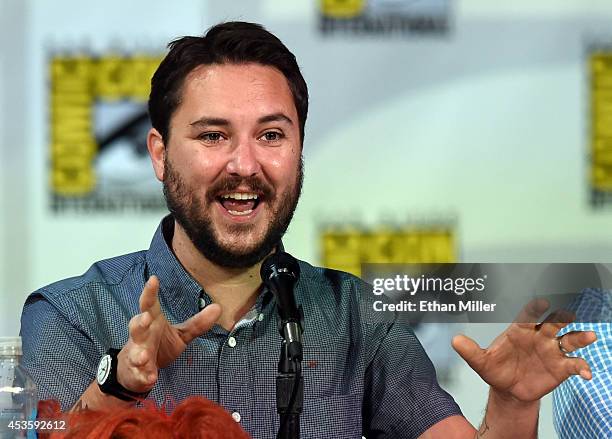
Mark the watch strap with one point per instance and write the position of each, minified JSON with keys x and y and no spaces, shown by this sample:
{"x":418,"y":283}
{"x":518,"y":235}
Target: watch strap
{"x":111,"y":385}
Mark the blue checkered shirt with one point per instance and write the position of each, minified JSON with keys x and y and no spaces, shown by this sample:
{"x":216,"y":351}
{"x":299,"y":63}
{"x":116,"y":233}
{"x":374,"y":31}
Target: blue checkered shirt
{"x":583,"y":409}
{"x":362,"y":373}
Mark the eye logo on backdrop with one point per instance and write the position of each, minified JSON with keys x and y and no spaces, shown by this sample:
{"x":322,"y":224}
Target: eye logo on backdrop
{"x":384,"y":17}
{"x":98,"y":125}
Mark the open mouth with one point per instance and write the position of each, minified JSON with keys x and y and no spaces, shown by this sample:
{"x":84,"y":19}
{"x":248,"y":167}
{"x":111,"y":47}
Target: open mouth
{"x":239,"y":203}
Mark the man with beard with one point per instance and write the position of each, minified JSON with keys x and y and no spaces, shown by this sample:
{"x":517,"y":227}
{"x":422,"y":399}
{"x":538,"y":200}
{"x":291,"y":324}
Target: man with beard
{"x":190,"y":316}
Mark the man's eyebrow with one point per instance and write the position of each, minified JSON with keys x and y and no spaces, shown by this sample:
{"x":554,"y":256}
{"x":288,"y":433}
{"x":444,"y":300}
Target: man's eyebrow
{"x":218,"y":121}
{"x":207,"y":121}
{"x":276,"y":117}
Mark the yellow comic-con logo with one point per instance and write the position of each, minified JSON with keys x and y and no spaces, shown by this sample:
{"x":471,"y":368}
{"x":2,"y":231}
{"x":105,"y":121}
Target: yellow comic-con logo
{"x":77,"y":84}
{"x":342,"y":8}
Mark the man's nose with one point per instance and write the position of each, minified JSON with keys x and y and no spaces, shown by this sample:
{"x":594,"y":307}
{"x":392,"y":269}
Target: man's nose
{"x":243,"y":160}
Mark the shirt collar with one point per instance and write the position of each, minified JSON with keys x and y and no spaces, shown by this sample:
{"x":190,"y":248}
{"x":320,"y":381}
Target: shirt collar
{"x":176,"y":284}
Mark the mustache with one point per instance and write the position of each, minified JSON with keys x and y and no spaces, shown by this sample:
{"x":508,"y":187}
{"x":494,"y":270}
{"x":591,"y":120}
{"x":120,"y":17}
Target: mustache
{"x":231,"y":183}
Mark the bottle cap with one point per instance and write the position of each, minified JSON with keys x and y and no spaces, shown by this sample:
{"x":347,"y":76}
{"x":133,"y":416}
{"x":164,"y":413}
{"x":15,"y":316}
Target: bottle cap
{"x":10,"y":346}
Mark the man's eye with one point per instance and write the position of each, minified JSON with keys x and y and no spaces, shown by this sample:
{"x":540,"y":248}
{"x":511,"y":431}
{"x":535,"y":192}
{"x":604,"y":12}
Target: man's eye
{"x":210,"y":137}
{"x":272,"y":136}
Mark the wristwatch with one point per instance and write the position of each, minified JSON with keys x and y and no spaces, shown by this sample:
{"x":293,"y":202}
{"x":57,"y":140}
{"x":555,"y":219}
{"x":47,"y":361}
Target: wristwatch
{"x":107,"y":379}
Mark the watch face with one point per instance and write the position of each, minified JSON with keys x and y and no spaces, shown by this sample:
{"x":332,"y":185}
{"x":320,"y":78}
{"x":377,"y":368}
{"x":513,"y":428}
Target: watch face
{"x":104,"y":369}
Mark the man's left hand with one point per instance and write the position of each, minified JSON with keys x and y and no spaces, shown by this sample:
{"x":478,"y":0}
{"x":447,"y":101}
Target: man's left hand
{"x":526,"y":362}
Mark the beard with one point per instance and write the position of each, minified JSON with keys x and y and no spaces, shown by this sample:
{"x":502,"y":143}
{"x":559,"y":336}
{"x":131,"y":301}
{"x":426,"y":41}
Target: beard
{"x":191,"y":213}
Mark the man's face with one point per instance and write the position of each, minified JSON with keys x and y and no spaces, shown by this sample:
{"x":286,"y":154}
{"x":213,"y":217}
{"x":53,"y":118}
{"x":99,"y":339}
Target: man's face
{"x":233,"y":169}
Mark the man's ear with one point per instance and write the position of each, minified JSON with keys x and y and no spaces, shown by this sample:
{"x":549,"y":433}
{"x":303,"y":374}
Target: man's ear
{"x":157,"y":152}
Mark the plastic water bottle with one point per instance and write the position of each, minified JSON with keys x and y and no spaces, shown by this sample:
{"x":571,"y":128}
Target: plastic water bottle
{"x":17,"y":393}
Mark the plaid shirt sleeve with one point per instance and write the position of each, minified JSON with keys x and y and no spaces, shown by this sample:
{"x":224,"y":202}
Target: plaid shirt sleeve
{"x":583,"y":409}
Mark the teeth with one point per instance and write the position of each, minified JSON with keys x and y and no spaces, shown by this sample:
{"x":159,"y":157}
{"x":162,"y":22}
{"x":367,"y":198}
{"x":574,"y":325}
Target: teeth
{"x":240,"y":196}
{"x":236,"y":213}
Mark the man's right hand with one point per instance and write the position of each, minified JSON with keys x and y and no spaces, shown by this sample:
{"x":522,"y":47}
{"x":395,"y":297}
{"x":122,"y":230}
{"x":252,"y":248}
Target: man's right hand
{"x":154,"y":343}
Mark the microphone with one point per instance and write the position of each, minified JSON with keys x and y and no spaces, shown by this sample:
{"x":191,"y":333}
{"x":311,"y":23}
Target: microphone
{"x":279,"y":273}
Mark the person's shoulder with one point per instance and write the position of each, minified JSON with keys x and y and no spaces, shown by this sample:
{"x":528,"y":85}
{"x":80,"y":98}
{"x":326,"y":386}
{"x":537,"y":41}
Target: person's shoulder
{"x":327,"y":277}
{"x":103,"y":274}
{"x":102,"y":294}
{"x":335,"y":290}
{"x":339,"y":303}
{"x":592,"y":306}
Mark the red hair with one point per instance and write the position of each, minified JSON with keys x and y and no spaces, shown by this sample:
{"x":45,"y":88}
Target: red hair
{"x":195,"y":417}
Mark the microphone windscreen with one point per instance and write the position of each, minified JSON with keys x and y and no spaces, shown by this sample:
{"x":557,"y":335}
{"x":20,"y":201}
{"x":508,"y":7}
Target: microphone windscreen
{"x":279,"y":263}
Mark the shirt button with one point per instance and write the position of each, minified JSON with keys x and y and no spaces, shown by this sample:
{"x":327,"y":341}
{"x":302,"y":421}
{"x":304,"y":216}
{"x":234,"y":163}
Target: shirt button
{"x":202,"y":303}
{"x":260,"y":317}
{"x":236,"y":416}
{"x":232,"y":343}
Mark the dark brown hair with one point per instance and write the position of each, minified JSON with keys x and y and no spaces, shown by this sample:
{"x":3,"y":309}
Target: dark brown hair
{"x":233,"y":42}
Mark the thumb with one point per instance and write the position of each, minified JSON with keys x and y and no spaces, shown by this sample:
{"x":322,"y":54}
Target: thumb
{"x":200,"y":323}
{"x":469,"y":350}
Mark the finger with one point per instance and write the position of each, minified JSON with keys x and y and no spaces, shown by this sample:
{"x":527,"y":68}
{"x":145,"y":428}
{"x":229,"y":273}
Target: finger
{"x":139,"y":326}
{"x":139,"y":378}
{"x":578,"y":366}
{"x":136,"y":371}
{"x":148,"y":299}
{"x":469,"y":350}
{"x":138,"y":356}
{"x":555,"y":321}
{"x":532,"y":312}
{"x":575,"y":340}
{"x":200,"y":323}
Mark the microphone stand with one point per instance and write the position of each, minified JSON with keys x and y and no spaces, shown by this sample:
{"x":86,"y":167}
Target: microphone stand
{"x":289,"y":394}
{"x":279,"y":272}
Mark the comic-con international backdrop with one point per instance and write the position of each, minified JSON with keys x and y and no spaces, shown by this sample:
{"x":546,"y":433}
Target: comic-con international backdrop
{"x":98,"y":125}
{"x":468,"y":130}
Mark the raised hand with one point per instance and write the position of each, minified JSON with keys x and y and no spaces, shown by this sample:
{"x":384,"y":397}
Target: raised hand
{"x":154,"y":343}
{"x":526,"y":362}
